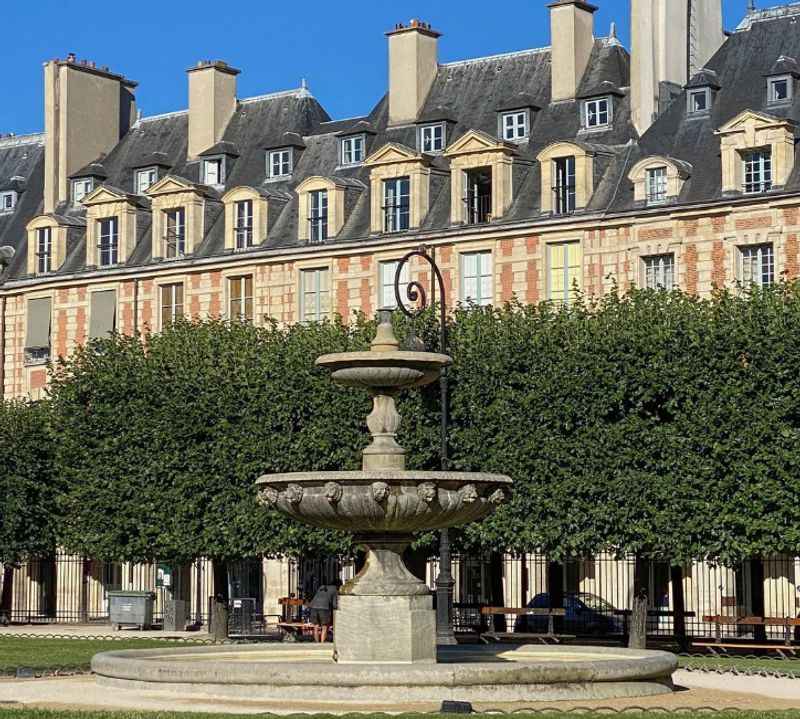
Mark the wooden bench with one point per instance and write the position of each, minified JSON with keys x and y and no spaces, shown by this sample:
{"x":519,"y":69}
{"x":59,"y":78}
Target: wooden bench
{"x":721,"y":648}
{"x":543,"y":637}
{"x":721,"y":620}
{"x":295,"y":630}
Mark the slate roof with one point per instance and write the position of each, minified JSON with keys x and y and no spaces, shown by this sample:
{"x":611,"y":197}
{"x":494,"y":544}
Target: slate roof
{"x":468,"y":95}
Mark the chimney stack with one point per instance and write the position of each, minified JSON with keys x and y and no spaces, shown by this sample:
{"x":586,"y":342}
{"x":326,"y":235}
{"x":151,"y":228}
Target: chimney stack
{"x":212,"y":102}
{"x":571,"y":44}
{"x":87,"y":110}
{"x":413,"y":64}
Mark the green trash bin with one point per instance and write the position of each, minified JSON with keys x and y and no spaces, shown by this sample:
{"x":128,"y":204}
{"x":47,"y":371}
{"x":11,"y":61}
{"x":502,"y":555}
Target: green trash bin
{"x":131,"y":609}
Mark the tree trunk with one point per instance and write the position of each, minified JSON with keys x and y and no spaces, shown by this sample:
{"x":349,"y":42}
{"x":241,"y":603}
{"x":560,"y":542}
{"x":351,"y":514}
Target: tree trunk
{"x":637,"y":635}
{"x":496,"y":597}
{"x":218,"y":622}
{"x":678,"y":607}
{"x":757,"y":596}
{"x":555,"y":590}
{"x":7,"y":599}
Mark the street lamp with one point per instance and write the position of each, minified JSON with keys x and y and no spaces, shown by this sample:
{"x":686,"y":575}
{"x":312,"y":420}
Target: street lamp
{"x":415,"y":292}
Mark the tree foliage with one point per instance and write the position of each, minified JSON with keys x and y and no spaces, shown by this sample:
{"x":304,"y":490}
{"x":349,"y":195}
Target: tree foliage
{"x":649,"y":422}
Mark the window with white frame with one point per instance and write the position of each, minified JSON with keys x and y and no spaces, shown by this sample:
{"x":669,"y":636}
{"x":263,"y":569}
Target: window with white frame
{"x":44,"y":250}
{"x":108,"y":244}
{"x":757,"y":265}
{"x":171,"y":303}
{"x":280,"y":163}
{"x":145,"y":178}
{"x":396,"y":204}
{"x":318,"y":216}
{"x":353,"y":150}
{"x":656,"y":185}
{"x":779,"y":89}
{"x":564,"y":193}
{"x":81,"y":188}
{"x":565,"y":271}
{"x":240,"y":298}
{"x":659,"y":272}
{"x":698,"y":101}
{"x":388,"y":271}
{"x":476,"y":278}
{"x":8,"y":200}
{"x":431,"y":138}
{"x":514,"y":125}
{"x":315,"y":301}
{"x":214,"y":171}
{"x":597,"y":112}
{"x":175,"y":237}
{"x":757,"y":170}
{"x":243,"y":230}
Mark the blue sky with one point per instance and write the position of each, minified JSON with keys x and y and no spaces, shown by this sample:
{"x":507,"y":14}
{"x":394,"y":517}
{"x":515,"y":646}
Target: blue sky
{"x":338,"y":46}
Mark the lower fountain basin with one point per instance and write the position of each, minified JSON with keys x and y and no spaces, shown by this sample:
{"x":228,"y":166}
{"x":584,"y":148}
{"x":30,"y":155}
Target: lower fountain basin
{"x":302,"y":674}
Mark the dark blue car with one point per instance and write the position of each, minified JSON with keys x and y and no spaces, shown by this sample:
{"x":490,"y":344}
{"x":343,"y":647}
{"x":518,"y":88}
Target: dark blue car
{"x":585,"y":614}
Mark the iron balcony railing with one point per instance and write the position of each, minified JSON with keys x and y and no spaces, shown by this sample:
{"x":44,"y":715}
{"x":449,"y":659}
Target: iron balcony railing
{"x":174,"y":244}
{"x":563,"y":199}
{"x":317,"y":229}
{"x":757,"y":186}
{"x":244,"y":237}
{"x":396,"y":217}
{"x":477,"y":209}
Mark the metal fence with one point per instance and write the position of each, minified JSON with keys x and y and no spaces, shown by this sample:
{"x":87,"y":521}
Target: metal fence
{"x":596,"y":593}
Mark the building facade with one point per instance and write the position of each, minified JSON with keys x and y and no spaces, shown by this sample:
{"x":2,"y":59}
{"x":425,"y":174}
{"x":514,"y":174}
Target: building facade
{"x":533,"y":175}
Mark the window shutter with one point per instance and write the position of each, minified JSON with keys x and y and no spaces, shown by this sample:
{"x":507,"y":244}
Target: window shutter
{"x":38,"y":323}
{"x":104,"y":314}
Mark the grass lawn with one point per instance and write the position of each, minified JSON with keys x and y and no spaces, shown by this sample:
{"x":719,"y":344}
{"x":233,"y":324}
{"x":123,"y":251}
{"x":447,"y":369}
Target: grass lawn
{"x":72,"y":654}
{"x":48,"y":714}
{"x":768,"y":664}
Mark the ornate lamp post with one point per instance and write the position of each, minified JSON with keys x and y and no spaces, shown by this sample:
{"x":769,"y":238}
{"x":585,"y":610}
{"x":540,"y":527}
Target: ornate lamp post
{"x":415,"y":292}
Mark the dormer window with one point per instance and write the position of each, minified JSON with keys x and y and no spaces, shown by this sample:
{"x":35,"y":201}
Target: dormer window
{"x":44,"y":250}
{"x":432,"y":138}
{"x":757,"y":167}
{"x":108,"y":244}
{"x":145,"y":178}
{"x":243,"y":231}
{"x":8,"y":201}
{"x":81,"y":188}
{"x":779,"y":89}
{"x":175,"y":239}
{"x":318,"y":216}
{"x":279,"y":163}
{"x":214,"y":171}
{"x":353,"y":150}
{"x":564,"y":186}
{"x":656,"y":185}
{"x":396,"y":204}
{"x":597,"y":113}
{"x":514,"y":125}
{"x":698,"y":101}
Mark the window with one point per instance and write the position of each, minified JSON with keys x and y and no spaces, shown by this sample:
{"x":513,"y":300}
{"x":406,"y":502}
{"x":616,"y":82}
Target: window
{"x":243,"y":231}
{"x":318,"y":216}
{"x":175,"y":240}
{"x":514,"y":125}
{"x":37,"y":339}
{"x":564,"y":187}
{"x":697,"y":101}
{"x":779,"y":89}
{"x":213,"y":171}
{"x":353,"y":150}
{"x":240,"y":291}
{"x":171,"y":304}
{"x":145,"y":178}
{"x":395,"y":204}
{"x":431,"y":138}
{"x":565,"y":271}
{"x":44,"y":250}
{"x":757,"y":265}
{"x":478,"y":196}
{"x":659,"y":272}
{"x":597,"y":113}
{"x":103,"y":314}
{"x":388,"y":270}
{"x":108,"y":246}
{"x":8,"y":201}
{"x":280,"y":163}
{"x":757,"y":171}
{"x":314,"y":295}
{"x":81,"y":188}
{"x":476,"y":278}
{"x":656,"y":185}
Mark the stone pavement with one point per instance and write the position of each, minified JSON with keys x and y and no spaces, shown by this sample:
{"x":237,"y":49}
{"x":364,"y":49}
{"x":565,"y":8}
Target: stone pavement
{"x":697,"y":690}
{"x":96,"y":630}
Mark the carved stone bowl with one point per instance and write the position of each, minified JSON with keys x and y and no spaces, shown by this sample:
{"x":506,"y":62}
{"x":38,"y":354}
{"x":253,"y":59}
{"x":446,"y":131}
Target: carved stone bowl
{"x":386,"y":370}
{"x":384,"y":502}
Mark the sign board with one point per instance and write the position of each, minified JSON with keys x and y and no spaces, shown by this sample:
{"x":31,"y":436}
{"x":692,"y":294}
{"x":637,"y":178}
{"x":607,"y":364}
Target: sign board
{"x":164,"y":576}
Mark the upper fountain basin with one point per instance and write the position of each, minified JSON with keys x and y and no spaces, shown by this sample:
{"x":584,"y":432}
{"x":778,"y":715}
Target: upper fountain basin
{"x":384,"y":502}
{"x":389,"y":370}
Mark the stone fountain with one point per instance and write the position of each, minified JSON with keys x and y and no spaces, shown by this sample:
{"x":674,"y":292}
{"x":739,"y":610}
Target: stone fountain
{"x":385,"y":654}
{"x":384,"y":505}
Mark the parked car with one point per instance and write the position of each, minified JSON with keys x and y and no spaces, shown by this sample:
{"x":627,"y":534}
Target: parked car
{"x":585,"y":614}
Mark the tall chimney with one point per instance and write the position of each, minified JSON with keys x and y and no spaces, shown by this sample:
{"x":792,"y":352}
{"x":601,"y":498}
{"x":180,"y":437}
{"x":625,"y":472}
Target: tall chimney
{"x":670,"y":41}
{"x":571,"y":41}
{"x":212,"y":102}
{"x":86,"y":112}
{"x":413,"y":64}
